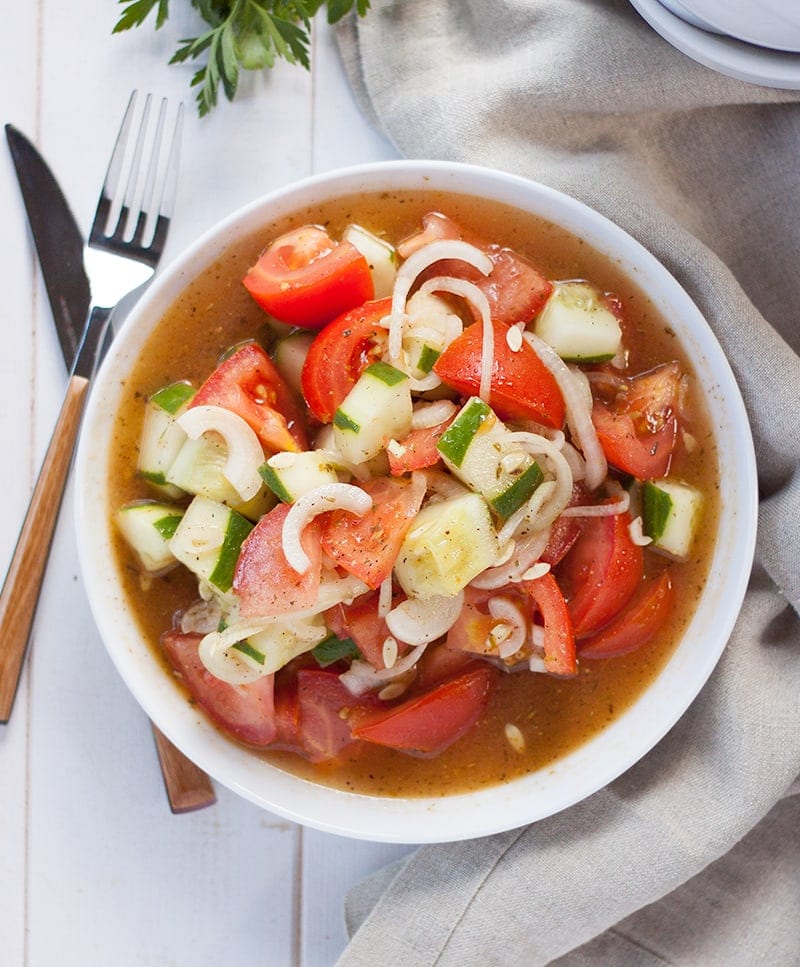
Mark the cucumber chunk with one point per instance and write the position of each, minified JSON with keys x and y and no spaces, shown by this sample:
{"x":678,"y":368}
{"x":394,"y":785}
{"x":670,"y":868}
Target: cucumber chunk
{"x":477,"y":449}
{"x":162,"y":438}
{"x":197,"y":469}
{"x":284,"y":640}
{"x":578,"y":324}
{"x":377,"y":408}
{"x":290,"y":475}
{"x":290,"y":354}
{"x":208,"y":541}
{"x":671,"y":511}
{"x":380,"y":255}
{"x":147,"y":526}
{"x":449,"y":544}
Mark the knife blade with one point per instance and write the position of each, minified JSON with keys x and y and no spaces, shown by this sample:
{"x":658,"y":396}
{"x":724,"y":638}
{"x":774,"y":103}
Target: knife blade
{"x":59,"y":246}
{"x":58,"y":241}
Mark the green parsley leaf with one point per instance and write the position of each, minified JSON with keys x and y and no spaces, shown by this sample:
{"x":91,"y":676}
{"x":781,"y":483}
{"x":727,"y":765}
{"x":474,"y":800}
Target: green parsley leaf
{"x":243,"y":35}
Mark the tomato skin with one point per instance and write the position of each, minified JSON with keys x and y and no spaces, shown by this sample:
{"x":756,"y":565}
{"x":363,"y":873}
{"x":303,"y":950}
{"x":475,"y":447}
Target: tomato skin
{"x":248,"y":384}
{"x":559,"y":638}
{"x":521,"y":388}
{"x":367,"y":546}
{"x":246,"y":712}
{"x":428,"y":724}
{"x":306,"y":279}
{"x":636,"y":624}
{"x":601,"y":572}
{"x":419,"y":450}
{"x":266,"y":584}
{"x":515,"y":289}
{"x":340,"y":353}
{"x":361,"y":622}
{"x":638,"y":429}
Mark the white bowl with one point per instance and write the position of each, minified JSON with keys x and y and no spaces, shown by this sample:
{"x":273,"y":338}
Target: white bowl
{"x":440,"y":819}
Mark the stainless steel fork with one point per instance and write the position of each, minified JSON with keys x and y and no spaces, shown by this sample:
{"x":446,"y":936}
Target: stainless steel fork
{"x":125,"y":244}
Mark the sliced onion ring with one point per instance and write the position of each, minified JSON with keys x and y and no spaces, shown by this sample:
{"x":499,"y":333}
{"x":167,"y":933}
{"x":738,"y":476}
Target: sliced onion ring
{"x":331,"y":496}
{"x":418,"y":621}
{"x":245,"y":454}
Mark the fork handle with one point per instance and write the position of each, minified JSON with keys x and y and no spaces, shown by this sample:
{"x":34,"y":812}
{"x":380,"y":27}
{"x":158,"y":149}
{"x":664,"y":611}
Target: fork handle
{"x":23,"y":583}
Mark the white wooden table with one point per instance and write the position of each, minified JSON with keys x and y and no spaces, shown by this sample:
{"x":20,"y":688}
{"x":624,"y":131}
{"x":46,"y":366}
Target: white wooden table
{"x":94,"y":869}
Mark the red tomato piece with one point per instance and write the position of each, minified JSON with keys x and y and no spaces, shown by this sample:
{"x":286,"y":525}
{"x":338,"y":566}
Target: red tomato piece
{"x":515,"y":289}
{"x":563,"y":536}
{"x":427,"y":724}
{"x":638,"y":429}
{"x":323,"y":731}
{"x":267,"y":585}
{"x":248,"y":383}
{"x":244,"y":711}
{"x":559,"y":639}
{"x":473,"y":626}
{"x":418,"y":450}
{"x":361,"y":622}
{"x":306,"y":279}
{"x":601,"y":572}
{"x":636,"y":624}
{"x":340,"y":353}
{"x":368,"y":546}
{"x":438,"y":663}
{"x":521,"y":388}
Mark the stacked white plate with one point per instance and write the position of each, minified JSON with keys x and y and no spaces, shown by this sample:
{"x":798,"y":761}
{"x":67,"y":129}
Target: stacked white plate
{"x":754,"y":40}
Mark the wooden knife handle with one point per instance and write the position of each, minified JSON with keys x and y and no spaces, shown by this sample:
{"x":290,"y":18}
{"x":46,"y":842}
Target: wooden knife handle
{"x":23,"y":583}
{"x":188,"y":787}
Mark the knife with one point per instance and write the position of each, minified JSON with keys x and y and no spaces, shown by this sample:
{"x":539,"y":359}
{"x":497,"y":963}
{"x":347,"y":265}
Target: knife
{"x":59,"y":246}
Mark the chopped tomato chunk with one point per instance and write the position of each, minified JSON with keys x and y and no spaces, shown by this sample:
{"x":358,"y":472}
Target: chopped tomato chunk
{"x":417,"y":451}
{"x":246,"y":712}
{"x":306,"y":279}
{"x":266,"y":584}
{"x":521,"y":388}
{"x":636,"y":624}
{"x":248,"y":383}
{"x":361,"y":622}
{"x":429,"y":723}
{"x":367,"y":546}
{"x":559,"y":640}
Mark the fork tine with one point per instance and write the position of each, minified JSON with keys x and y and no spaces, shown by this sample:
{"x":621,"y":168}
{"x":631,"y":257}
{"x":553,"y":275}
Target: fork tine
{"x":129,"y":201}
{"x":169,"y":188}
{"x":146,"y":206}
{"x":113,"y":172}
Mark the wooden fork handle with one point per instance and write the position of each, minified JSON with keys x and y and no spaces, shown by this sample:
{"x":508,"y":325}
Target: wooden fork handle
{"x":23,"y":583}
{"x":188,"y":787}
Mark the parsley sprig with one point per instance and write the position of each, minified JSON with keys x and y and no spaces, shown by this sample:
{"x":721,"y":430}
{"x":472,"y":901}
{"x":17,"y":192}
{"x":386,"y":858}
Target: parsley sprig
{"x":242,"y":34}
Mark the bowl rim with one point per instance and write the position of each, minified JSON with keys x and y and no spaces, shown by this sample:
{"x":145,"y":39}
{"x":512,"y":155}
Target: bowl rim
{"x":485,"y":811}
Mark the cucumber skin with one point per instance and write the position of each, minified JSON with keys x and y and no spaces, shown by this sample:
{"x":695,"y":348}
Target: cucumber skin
{"x":235,"y":533}
{"x":518,"y":493}
{"x":457,"y":438}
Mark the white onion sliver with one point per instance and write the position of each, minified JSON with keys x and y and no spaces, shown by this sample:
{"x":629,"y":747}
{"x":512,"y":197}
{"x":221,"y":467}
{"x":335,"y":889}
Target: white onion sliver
{"x":245,"y":453}
{"x":417,"y":621}
{"x":331,"y":496}
{"x":385,"y":597}
{"x":618,"y":506}
{"x":511,"y":613}
{"x":360,"y":677}
{"x":579,"y":415}
{"x":426,"y":415}
{"x":636,"y":531}
{"x":422,"y":259}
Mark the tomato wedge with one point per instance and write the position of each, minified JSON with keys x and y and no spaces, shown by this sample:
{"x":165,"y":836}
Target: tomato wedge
{"x":601,"y":572}
{"x":521,"y":388}
{"x":361,"y":622}
{"x":427,"y":724}
{"x":248,"y":383}
{"x":244,"y":711}
{"x":367,"y":546}
{"x":266,"y":584}
{"x":515,"y":289}
{"x":417,"y":451}
{"x":559,"y":640}
{"x":638,"y":429}
{"x":340,"y":353}
{"x":306,"y":279}
{"x":636,"y":624}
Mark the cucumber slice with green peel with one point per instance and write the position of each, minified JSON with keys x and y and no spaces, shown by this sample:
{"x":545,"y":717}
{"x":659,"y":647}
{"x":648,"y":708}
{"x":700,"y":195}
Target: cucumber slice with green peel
{"x":448,"y":544}
{"x":377,"y":408}
{"x":147,"y":526}
{"x":208,"y":541}
{"x":478,"y":449}
{"x":162,"y":438}
{"x":671,"y":512}
{"x":430,"y":320}
{"x":290,"y":354}
{"x":380,"y":255}
{"x":577,"y":322}
{"x":198,"y":469}
{"x":282,"y":641}
{"x":290,"y":475}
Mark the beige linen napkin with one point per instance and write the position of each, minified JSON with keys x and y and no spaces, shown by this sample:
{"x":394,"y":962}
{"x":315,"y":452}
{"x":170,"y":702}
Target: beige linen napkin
{"x":693,"y":856}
